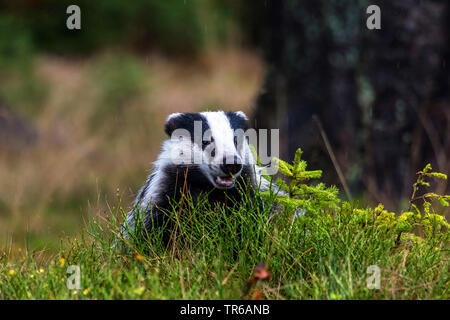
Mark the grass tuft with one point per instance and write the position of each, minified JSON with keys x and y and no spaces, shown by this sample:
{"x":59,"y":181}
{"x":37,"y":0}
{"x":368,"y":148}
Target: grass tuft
{"x":213,"y":251}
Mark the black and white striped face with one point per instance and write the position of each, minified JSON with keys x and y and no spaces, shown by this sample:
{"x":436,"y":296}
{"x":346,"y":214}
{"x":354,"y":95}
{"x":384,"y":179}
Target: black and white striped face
{"x":213,"y":141}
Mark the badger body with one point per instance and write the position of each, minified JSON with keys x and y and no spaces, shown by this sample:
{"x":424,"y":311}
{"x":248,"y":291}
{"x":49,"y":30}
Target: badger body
{"x":206,"y":153}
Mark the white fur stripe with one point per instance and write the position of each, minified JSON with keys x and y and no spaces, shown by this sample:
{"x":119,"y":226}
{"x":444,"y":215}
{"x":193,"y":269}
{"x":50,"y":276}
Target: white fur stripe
{"x":222,"y":133}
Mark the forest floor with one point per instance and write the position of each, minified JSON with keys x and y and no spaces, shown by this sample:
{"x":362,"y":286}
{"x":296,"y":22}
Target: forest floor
{"x":236,"y":254}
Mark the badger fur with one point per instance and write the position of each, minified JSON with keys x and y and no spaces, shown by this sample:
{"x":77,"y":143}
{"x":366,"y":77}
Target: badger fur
{"x":211,"y":158}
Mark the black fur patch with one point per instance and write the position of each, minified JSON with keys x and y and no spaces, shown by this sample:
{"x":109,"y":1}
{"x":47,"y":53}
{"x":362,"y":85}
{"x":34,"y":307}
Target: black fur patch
{"x":185,"y":121}
{"x":190,"y":179}
{"x":237,"y":121}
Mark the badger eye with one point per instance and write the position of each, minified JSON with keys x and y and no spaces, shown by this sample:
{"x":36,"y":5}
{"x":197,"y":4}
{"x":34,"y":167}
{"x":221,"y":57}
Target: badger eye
{"x":206,"y":142}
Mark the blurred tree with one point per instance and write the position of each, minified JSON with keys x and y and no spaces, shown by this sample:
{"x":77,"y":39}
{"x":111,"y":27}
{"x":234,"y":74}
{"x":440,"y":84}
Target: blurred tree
{"x":381,"y":95}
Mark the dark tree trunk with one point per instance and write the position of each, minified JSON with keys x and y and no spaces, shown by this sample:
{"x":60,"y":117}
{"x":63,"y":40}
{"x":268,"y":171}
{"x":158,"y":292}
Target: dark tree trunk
{"x":381,"y":95}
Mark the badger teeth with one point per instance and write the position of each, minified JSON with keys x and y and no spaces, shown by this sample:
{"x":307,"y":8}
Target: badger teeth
{"x":225,"y":181}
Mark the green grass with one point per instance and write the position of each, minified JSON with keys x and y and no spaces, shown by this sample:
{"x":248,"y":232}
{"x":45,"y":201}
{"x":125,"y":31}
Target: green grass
{"x":321,"y":255}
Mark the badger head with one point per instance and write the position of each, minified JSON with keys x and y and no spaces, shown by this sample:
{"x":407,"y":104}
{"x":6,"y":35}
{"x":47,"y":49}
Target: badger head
{"x":212,"y":142}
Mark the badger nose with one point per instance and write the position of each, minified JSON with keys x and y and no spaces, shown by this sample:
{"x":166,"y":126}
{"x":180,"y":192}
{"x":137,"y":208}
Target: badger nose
{"x":231,"y":167}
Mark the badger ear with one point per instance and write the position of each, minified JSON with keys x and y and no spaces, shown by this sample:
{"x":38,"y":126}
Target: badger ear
{"x":242,"y":115}
{"x":238,"y":120}
{"x":172,"y":123}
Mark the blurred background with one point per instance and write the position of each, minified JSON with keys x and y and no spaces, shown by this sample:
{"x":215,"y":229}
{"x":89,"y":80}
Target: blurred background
{"x":82,"y":111}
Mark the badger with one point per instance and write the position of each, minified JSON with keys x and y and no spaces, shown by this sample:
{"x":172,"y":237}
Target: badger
{"x":206,"y":153}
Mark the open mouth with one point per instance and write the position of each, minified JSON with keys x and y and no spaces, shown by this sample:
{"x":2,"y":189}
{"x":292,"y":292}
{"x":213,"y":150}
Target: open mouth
{"x":225,"y":182}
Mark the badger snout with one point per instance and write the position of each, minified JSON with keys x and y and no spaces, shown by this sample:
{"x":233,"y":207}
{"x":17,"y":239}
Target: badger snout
{"x":231,"y":169}
{"x":231,"y":166}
